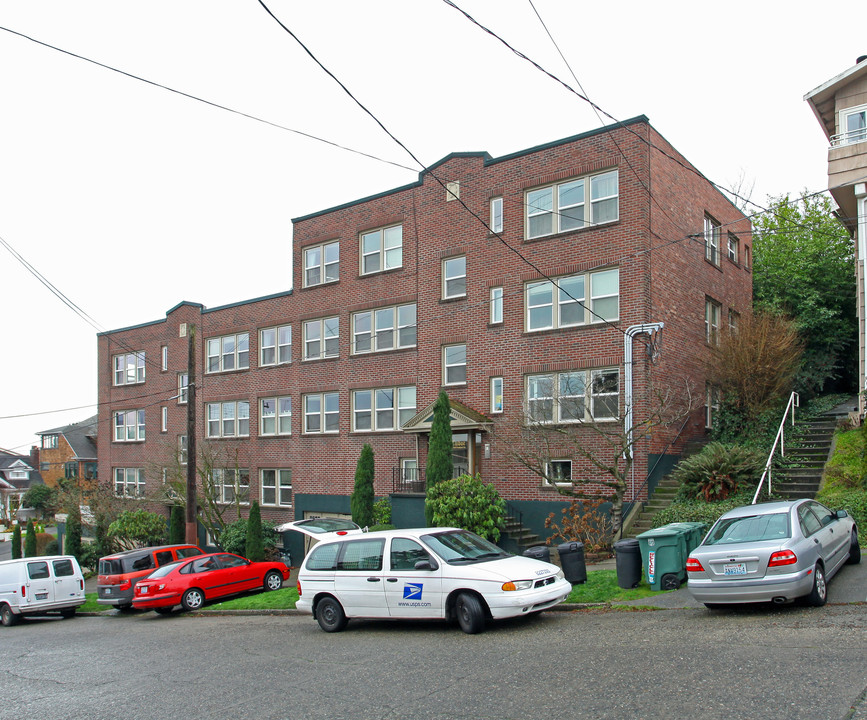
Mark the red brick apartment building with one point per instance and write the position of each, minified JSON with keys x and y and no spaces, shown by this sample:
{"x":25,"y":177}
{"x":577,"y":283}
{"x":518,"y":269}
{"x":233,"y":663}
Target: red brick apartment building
{"x":512,"y":283}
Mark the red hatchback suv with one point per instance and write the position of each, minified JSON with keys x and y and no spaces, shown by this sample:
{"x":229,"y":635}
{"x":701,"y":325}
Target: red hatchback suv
{"x":119,"y":573}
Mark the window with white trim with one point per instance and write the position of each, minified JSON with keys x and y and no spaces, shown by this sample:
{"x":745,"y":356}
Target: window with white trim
{"x":227,"y":353}
{"x":49,"y":442}
{"x":379,"y":409}
{"x":129,"y":426}
{"x":496,"y":394}
{"x":129,"y":482}
{"x":321,"y":412}
{"x":573,"y":396}
{"x":454,"y":274}
{"x":129,"y":369}
{"x":711,"y":405}
{"x":275,"y":416}
{"x":321,"y":264}
{"x":497,"y":214}
{"x":558,"y":472}
{"x":455,"y":364}
{"x":322,"y":338}
{"x":165,"y":357}
{"x":733,"y":248}
{"x":712,"y":311}
{"x":712,"y":231}
{"x":182,"y":450}
{"x":563,"y":207}
{"x":734,"y":321}
{"x":381,"y":249}
{"x":563,"y":302}
{"x":496,"y":305}
{"x":231,"y":485}
{"x":228,"y":419}
{"x":275,"y":345}
{"x":853,"y":125}
{"x":164,"y":419}
{"x":276,"y":487}
{"x":183,"y":388}
{"x":391,"y":328}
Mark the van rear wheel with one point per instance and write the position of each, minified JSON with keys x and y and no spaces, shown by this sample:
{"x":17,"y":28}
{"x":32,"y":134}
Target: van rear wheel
{"x":7,"y":617}
{"x":67,"y":613}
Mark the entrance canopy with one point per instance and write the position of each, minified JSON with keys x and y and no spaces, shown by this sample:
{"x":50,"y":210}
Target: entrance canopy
{"x":461,"y":419}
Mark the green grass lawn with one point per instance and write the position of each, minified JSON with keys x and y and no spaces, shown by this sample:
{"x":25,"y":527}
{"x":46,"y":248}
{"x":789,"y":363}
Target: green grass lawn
{"x":276,"y":600}
{"x":601,"y":587}
{"x":91,"y":605}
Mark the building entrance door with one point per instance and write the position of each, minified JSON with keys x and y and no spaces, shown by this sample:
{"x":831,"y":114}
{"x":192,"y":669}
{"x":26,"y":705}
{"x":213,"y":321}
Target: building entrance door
{"x":461,"y":453}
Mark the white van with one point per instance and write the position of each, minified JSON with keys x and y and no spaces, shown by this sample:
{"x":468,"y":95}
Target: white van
{"x":40,"y":586}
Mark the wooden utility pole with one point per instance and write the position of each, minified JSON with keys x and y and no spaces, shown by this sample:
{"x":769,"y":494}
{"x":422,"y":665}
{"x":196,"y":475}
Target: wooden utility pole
{"x":191,"y":534}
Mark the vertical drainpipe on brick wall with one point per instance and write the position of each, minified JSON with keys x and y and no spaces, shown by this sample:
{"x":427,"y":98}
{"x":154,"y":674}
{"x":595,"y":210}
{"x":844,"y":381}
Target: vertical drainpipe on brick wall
{"x":861,"y":272}
{"x":628,"y":338}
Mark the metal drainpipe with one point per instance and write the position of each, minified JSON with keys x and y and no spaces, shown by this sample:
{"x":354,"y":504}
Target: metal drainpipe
{"x":628,"y":337}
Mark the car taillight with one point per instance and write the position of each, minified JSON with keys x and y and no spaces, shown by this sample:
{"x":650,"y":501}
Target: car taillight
{"x":298,"y":585}
{"x":693,"y":565}
{"x":81,"y":583}
{"x":125,"y":585}
{"x":23,"y":591}
{"x":782,"y":557}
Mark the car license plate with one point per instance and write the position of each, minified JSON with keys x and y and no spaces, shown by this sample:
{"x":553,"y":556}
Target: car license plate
{"x":144,"y":591}
{"x":108,"y":591}
{"x":735,"y":569}
{"x":41,"y":596}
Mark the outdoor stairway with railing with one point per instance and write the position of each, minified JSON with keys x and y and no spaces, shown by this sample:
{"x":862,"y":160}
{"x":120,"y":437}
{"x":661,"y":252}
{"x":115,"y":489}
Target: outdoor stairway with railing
{"x":520,"y":535}
{"x":806,"y":459}
{"x":662,"y":497}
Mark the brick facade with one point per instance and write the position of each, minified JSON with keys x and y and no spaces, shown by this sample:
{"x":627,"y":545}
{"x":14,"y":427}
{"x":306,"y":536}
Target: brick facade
{"x":656,"y":245}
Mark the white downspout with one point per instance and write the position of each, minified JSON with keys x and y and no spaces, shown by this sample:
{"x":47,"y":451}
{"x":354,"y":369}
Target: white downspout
{"x":861,"y":200}
{"x":628,"y":337}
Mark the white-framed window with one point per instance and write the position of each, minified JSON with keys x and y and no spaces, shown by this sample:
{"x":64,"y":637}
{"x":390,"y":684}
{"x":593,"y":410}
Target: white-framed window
{"x":129,"y":369}
{"x":379,"y":409}
{"x":49,"y":442}
{"x":231,"y":485}
{"x":558,"y":472}
{"x":711,"y":405}
{"x":496,"y":305}
{"x":276,"y":487}
{"x":164,"y":419}
{"x":165,"y":357}
{"x":381,"y":249}
{"x":409,"y":470}
{"x":321,"y":264}
{"x":182,"y":450}
{"x":228,"y":419}
{"x":747,"y":262}
{"x":322,"y":338}
{"x":227,"y":353}
{"x":391,"y":328}
{"x":853,"y":125}
{"x":733,"y":248}
{"x":497,"y":214}
{"x":275,"y":416}
{"x":183,"y":388}
{"x":129,"y":482}
{"x":712,"y":231}
{"x":275,"y":345}
{"x":564,"y":206}
{"x":712,"y":311}
{"x":321,"y":412}
{"x":563,"y":302}
{"x":129,"y":426}
{"x":454,"y":273}
{"x":496,"y":394}
{"x":734,"y":321}
{"x":574,"y":396}
{"x":455,"y":364}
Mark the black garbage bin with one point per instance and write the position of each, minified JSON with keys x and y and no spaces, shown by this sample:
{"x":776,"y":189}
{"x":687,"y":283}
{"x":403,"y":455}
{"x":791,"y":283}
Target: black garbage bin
{"x":628,"y":562}
{"x":538,"y":552}
{"x":572,"y":561}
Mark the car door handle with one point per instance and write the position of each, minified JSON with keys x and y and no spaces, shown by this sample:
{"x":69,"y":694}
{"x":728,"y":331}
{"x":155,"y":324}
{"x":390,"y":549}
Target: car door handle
{"x":816,"y":540}
{"x":373,"y":579}
{"x":391,"y":579}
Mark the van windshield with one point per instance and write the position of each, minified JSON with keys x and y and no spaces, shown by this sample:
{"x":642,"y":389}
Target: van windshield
{"x":462,"y":546}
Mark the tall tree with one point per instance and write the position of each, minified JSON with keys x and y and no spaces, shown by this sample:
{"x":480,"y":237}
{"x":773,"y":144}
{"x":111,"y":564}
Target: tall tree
{"x":255,"y":547}
{"x":362,"y":498}
{"x":16,"y":542}
{"x":30,"y":540}
{"x":72,"y":546}
{"x":177,"y":525}
{"x":804,"y":267}
{"x":439,"y":452}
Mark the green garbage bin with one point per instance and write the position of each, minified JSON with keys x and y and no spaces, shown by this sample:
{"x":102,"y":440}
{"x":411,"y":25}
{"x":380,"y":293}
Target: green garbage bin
{"x":695,"y":532}
{"x":664,"y":553}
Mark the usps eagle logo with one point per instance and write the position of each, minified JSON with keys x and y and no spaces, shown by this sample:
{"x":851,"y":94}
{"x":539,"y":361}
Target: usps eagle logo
{"x":412,"y":591}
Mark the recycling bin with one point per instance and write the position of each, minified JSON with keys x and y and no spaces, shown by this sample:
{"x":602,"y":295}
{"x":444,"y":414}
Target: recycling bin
{"x":695,"y":532}
{"x":628,"y":563}
{"x":572,"y":561}
{"x":663,"y":554}
{"x":538,"y":552}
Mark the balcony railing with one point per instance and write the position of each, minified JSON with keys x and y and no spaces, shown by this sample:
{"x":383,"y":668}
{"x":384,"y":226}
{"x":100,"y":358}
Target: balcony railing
{"x":412,"y":480}
{"x":849,"y":138}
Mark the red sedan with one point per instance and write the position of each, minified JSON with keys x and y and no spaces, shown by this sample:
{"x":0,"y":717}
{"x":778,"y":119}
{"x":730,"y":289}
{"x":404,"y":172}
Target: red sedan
{"x":190,"y":583}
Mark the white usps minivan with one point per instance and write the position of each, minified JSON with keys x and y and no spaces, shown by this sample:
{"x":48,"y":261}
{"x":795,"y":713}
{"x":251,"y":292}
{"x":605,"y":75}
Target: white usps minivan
{"x":40,"y":586}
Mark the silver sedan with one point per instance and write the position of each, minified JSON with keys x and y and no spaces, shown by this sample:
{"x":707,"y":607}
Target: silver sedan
{"x":772,"y":552}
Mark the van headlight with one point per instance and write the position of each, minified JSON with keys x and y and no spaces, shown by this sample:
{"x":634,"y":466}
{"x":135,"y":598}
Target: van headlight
{"x":517,"y":585}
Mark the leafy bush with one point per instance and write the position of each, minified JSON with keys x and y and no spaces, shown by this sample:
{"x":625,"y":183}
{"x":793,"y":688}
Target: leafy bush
{"x":134,"y":528}
{"x":466,"y":502}
{"x":719,"y":471}
{"x":42,"y":540}
{"x":698,"y":510}
{"x":51,"y":547}
{"x":42,"y":498}
{"x":89,"y":557}
{"x":382,"y":512}
{"x":846,"y":468}
{"x":233,"y":538}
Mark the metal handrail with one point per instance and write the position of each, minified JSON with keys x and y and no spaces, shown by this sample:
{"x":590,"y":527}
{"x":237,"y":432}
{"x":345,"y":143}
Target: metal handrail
{"x":849,"y":137}
{"x":794,"y":401}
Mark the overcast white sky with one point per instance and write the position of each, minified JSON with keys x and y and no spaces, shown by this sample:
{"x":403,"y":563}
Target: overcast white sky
{"x":130,"y":198}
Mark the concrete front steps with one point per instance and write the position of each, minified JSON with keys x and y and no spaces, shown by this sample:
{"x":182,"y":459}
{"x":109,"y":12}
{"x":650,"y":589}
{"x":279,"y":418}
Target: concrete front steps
{"x":803,"y":478}
{"x":662,"y":497}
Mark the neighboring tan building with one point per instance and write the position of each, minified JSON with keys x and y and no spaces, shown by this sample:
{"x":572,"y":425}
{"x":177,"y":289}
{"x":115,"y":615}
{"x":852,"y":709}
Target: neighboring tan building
{"x":69,"y":453}
{"x":557,"y":283}
{"x":840,"y":106}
